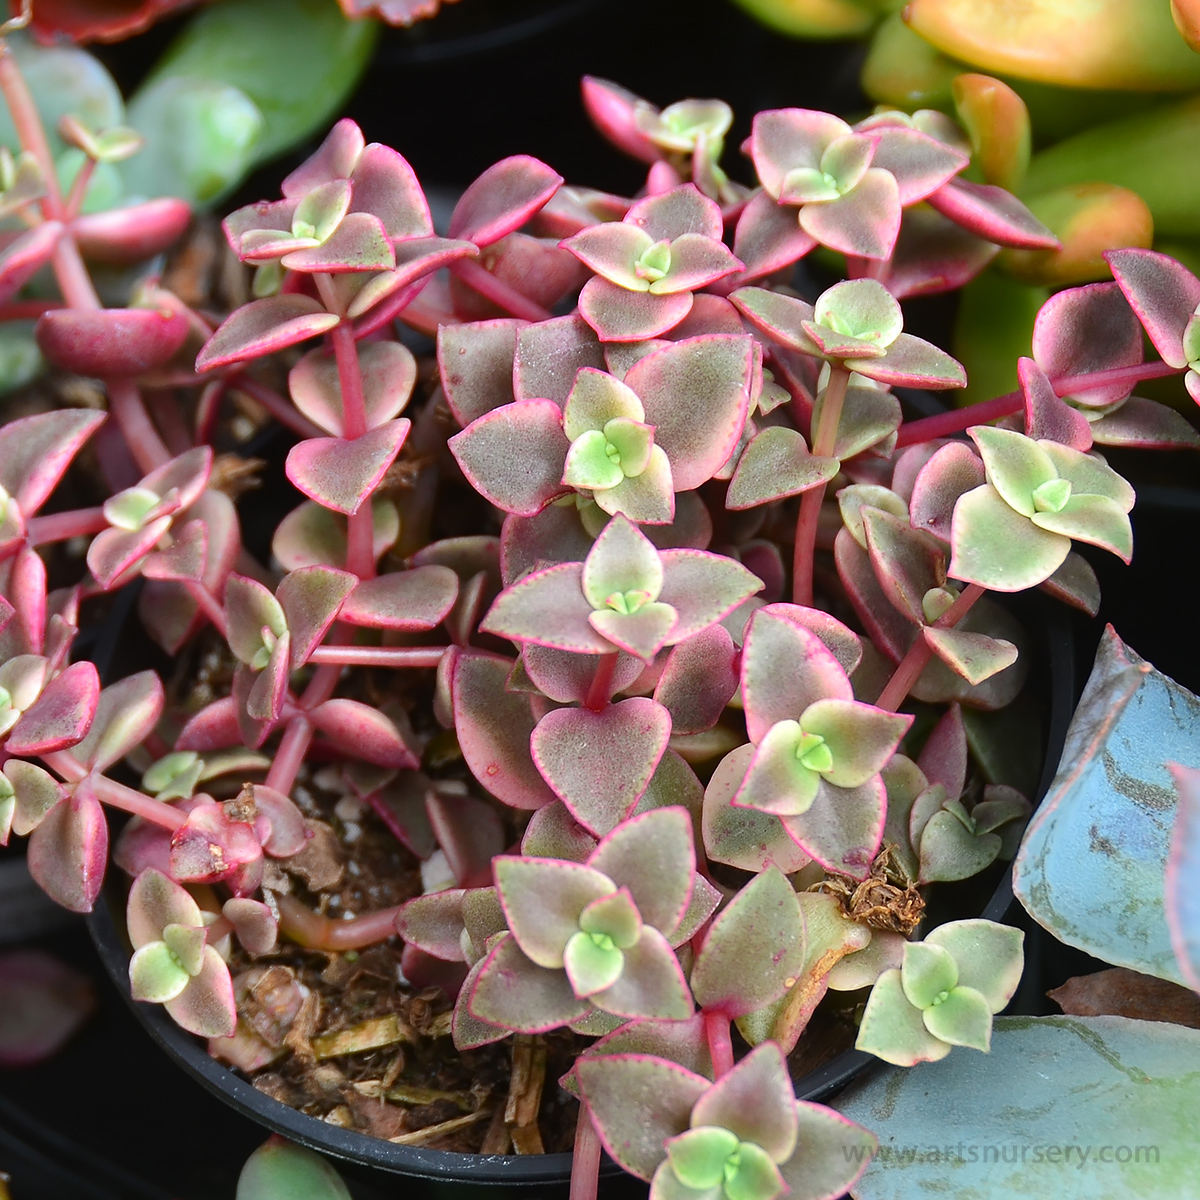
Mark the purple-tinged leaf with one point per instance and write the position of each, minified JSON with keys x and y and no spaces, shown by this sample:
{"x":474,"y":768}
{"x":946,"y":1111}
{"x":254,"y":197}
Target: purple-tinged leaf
{"x":651,"y":983}
{"x":548,"y":356}
{"x":613,"y":110}
{"x":131,"y":234}
{"x":768,"y":238}
{"x":543,"y":901}
{"x":388,"y":372}
{"x":377,"y":299}
{"x":502,"y":199}
{"x":434,"y":923}
{"x":553,"y":833}
{"x":279,"y":825}
{"x":754,"y":947}
{"x":249,"y":609}
{"x":1162,"y":292}
{"x":35,"y":452}
{"x":566,"y":677}
{"x":699,"y":680}
{"x":334,"y":158}
{"x":363,"y":732}
{"x":599,"y":764}
{"x":950,"y":473}
{"x":43,"y":1001}
{"x":549,"y":608}
{"x":400,"y":805}
{"x":470,"y":834}
{"x":974,"y":656}
{"x":775,"y":635}
{"x":111,"y":342}
{"x":776,"y":464}
{"x":475,"y":366}
{"x":113,"y":551}
{"x":69,"y":849}
{"x":417,"y":599}
{"x":184,"y":559}
{"x":253,"y":923}
{"x":385,"y":185}
{"x":1046,"y":416}
{"x":1075,"y":583}
{"x":1182,"y":909}
{"x":514,"y":456}
{"x":944,"y":757}
{"x":755,"y":1101}
{"x":703,"y":588}
{"x":619,"y":315}
{"x":907,"y":562}
{"x":514,"y":992}
{"x":211,"y":846}
{"x":206,"y":1006}
{"x":836,"y":1153}
{"x":919,"y":163}
{"x":993,"y":214}
{"x":311,"y":598}
{"x":912,"y":362}
{"x":25,"y":254}
{"x":61,"y":715}
{"x":125,"y":714}
{"x":342,"y":474}
{"x":1147,"y":424}
{"x":311,"y":535}
{"x":264,"y":326}
{"x":843,"y":827}
{"x":676,"y":213}
{"x":359,"y":243}
{"x":934,"y":255}
{"x":494,"y":727}
{"x":864,"y":222}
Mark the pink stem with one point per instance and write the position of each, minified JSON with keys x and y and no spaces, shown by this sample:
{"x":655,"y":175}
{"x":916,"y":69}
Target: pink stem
{"x":912,"y":433}
{"x":585,"y":1161}
{"x":277,"y":406}
{"x":208,"y":602}
{"x":125,"y":403}
{"x":75,"y":198}
{"x":115,"y":795}
{"x":58,"y":527}
{"x":72,"y":276}
{"x":720,"y":1042}
{"x":600,"y":691}
{"x":824,"y":441}
{"x":28,"y":125}
{"x":316,"y":932}
{"x":165,"y":412}
{"x":920,"y":652}
{"x":360,"y":549}
{"x":498,"y":292}
{"x":297,"y":737}
{"x":378,"y":656}
{"x":208,"y":408}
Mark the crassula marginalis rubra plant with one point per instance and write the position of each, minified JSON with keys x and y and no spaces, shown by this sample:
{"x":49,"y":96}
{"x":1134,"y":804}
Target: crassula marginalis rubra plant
{"x":609,"y":615}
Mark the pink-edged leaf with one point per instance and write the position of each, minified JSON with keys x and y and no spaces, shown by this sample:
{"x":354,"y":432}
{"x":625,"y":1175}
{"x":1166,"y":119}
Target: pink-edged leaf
{"x":280,"y":824}
{"x":1162,"y":292}
{"x":434,"y":923}
{"x":184,"y":559}
{"x":69,"y":849}
{"x":974,"y":656}
{"x":908,"y":563}
{"x":777,"y":463}
{"x":125,"y":714}
{"x":359,"y":243}
{"x":44,"y":1002}
{"x":696,"y":393}
{"x":475,"y":366}
{"x":1145,"y":423}
{"x":154,"y":902}
{"x":470,"y":834}
{"x":754,"y":949}
{"x":311,"y":598}
{"x":755,"y":1101}
{"x":1182,"y":909}
{"x":779,"y":317}
{"x":253,"y":923}
{"x":919,"y":163}
{"x":334,"y":158}
{"x":401,"y":807}
{"x":599,"y":764}
{"x":111,"y":342}
{"x":619,"y":315}
{"x":214,"y":727}
{"x":493,"y":727}
{"x":502,"y":199}
{"x":944,"y":757}
{"x":768,"y":239}
{"x":993,"y":214}
{"x":211,"y":846}
{"x":124,"y":236}
{"x":514,"y":456}
{"x":952,"y":471}
{"x":637,"y":1102}
{"x":651,"y":983}
{"x":1085,"y":329}
{"x":23,"y":581}
{"x":553,"y":833}
{"x":310,"y":535}
{"x":113,"y":551}
{"x":413,"y":600}
{"x":776,"y":635}
{"x":1046,"y":416}
{"x":388,"y":372}
{"x":341,"y":474}
{"x":703,"y":588}
{"x":912,"y":362}
{"x":566,"y":677}
{"x":843,"y":828}
{"x":699,"y":680}
{"x":783,"y":139}
{"x":379,"y":298}
{"x":35,"y":451}
{"x":543,"y":901}
{"x":548,"y":356}
{"x":934,"y":255}
{"x":25,"y":255}
{"x":613,"y":110}
{"x":512,"y":991}
{"x":206,"y":1006}
{"x":262,"y":692}
{"x":744,"y":837}
{"x":385,"y":185}
{"x":60,"y":716}
{"x":249,"y":609}
{"x":264,"y":326}
{"x":549,"y":608}
{"x":864,"y":222}
{"x":363,"y":732}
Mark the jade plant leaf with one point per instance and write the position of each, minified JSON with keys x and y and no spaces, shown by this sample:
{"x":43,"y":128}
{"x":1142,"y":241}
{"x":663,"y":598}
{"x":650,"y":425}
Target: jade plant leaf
{"x":1092,"y":864}
{"x":1087,"y":1107}
{"x":282,"y":1170}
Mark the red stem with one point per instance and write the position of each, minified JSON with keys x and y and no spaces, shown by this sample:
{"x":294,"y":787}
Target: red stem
{"x":824,"y":440}
{"x":207,"y":601}
{"x":360,"y":534}
{"x":297,"y":737}
{"x":316,"y":932}
{"x":585,"y":1161}
{"x":58,"y":527}
{"x":920,"y":652}
{"x":378,"y":656}
{"x":208,"y":407}
{"x":29,"y":129}
{"x":720,"y":1042}
{"x":115,"y":795}
{"x":277,"y":406}
{"x":125,"y":403}
{"x":912,"y":433}
{"x":498,"y":292}
{"x":600,"y":691}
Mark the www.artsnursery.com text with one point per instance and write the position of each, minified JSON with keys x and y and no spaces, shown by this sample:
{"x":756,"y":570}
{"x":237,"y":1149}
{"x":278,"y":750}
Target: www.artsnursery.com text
{"x":1078,"y":1156}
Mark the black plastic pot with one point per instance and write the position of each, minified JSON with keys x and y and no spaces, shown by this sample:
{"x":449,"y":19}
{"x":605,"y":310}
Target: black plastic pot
{"x":1057,"y":675}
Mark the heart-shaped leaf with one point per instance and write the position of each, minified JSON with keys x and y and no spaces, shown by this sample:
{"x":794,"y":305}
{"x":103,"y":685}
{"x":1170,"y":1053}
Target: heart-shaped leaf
{"x":341,"y":474}
{"x":388,"y":372}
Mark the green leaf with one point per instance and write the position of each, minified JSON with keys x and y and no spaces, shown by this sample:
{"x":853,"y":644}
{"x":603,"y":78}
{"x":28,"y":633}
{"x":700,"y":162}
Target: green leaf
{"x":698,"y":1157}
{"x":280,"y":1170}
{"x":963,"y":1018}
{"x":1096,"y":520}
{"x":155,"y":974}
{"x":862,"y":309}
{"x":238,"y":43}
{"x":186,"y":943}
{"x":623,"y":570}
{"x":1016,"y":465}
{"x":996,"y":547}
{"x":779,"y":781}
{"x":597,"y":398}
{"x":860,"y":737}
{"x":593,"y":962}
{"x":616,"y":917}
{"x":928,"y":972}
{"x":751,"y":1175}
{"x":949,"y":851}
{"x":632,"y":441}
{"x":988,"y":956}
{"x":892,"y":1028}
{"x":590,"y":464}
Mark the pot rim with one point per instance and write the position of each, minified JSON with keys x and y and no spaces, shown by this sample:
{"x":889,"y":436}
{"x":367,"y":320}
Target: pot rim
{"x":527,"y":1169}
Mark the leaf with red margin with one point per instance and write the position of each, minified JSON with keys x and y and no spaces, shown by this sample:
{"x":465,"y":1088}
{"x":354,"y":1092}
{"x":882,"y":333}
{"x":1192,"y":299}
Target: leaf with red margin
{"x":124,"y":236}
{"x":214,"y":727}
{"x":599,"y":764}
{"x":475,"y":366}
{"x":944,"y":756}
{"x":25,"y":255}
{"x":126,"y":712}
{"x":69,"y":849}
{"x":549,"y":355}
{"x":549,"y":608}
{"x":60,"y":716}
{"x":992,"y":214}
{"x":843,"y":828}
{"x":311,"y":598}
{"x":363,"y":732}
{"x":36,"y":451}
{"x":417,"y":599}
{"x":494,"y":727}
{"x":1046,"y":416}
{"x":619,"y":315}
{"x":502,"y":199}
{"x":388,"y":372}
{"x":699,"y":680}
{"x":512,"y":991}
{"x":768,"y":238}
{"x":612,"y":110}
{"x":340,"y":473}
{"x":264,"y":326}
{"x":952,"y":471}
